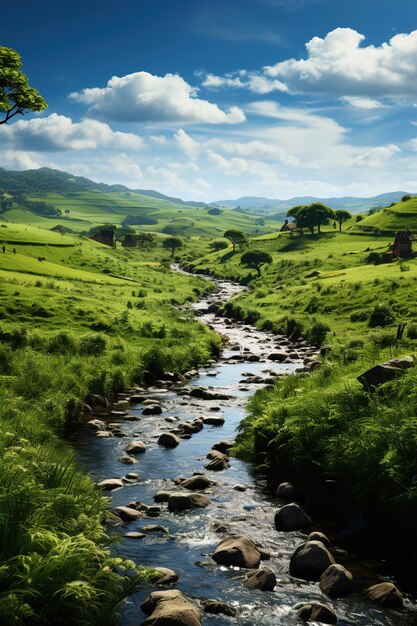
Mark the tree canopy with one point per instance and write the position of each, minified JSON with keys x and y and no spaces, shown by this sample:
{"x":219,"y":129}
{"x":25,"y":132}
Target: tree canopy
{"x":315,"y":214}
{"x":16,"y":95}
{"x":236,"y":237}
{"x":342,"y":216}
{"x":172,"y":243}
{"x":255,"y":259}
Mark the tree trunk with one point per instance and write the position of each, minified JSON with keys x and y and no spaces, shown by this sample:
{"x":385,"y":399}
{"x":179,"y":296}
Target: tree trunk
{"x":340,"y":227}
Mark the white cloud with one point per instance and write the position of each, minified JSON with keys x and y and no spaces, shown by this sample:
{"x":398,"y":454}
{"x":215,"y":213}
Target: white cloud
{"x":13,"y":160}
{"x":363,"y":103}
{"x":255,"y":82}
{"x":143,"y":97}
{"x":255,"y":148}
{"x":375,"y":157}
{"x":57,"y":132}
{"x":338,"y":65}
{"x":187,"y":144}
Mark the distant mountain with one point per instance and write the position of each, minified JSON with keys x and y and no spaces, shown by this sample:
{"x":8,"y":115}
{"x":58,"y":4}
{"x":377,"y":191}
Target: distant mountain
{"x":350,"y":203}
{"x":47,"y":180}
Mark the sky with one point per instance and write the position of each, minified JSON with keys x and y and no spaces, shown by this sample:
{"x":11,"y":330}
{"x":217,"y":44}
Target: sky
{"x":212,"y":100}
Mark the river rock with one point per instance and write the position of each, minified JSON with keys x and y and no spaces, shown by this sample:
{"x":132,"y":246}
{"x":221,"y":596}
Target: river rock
{"x":310,"y":560}
{"x":152,"y":409}
{"x":263,"y":579}
{"x":216,"y":607}
{"x":277,"y":356}
{"x":385,"y":594}
{"x":197,"y":483}
{"x":217,"y":465}
{"x":136,"y":447}
{"x":110,"y":483}
{"x":168,"y":440}
{"x":170,"y":608}
{"x":151,"y":402}
{"x":104,"y":434}
{"x":238,"y":551}
{"x":127,"y":460}
{"x":240,"y":488}
{"x":168,"y":576}
{"x":155,"y":528}
{"x":99,"y":404}
{"x":336,"y":581}
{"x":162,"y":496}
{"x":286,"y":491}
{"x":205,"y":394}
{"x":291,"y":517}
{"x":97,"y":424}
{"x":214,"y":420}
{"x":135,"y":535}
{"x":317,"y":613}
{"x":216,"y":454}
{"x":136,"y":399}
{"x":127,"y":514}
{"x":181,"y":501}
{"x":224,"y":446}
{"x":318,"y":536}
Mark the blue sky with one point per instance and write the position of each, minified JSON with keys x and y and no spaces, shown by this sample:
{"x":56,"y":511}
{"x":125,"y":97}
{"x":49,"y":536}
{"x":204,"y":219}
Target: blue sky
{"x":214,"y":100}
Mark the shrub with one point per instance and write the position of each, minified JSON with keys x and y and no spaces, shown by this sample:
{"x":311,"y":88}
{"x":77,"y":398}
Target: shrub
{"x":317,"y":333}
{"x":359,"y":316}
{"x":374,"y":257}
{"x":61,"y":343}
{"x":92,"y":344}
{"x":412,"y":331}
{"x":381,"y":315}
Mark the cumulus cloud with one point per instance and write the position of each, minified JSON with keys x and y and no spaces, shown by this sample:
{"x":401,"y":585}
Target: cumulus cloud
{"x":375,"y":157}
{"x":143,"y":97}
{"x":18,"y":160}
{"x":57,"y":132}
{"x":254,"y":81}
{"x":338,"y":65}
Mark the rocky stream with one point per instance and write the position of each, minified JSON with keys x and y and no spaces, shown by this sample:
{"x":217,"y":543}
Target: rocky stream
{"x":181,"y":428}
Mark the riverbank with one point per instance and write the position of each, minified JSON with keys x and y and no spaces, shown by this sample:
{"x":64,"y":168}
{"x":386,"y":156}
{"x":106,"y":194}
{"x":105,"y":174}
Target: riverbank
{"x":237,"y":500}
{"x":65,"y":339}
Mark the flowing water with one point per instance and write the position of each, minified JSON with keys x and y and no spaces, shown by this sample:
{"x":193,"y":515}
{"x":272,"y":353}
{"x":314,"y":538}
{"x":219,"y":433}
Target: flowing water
{"x":193,"y":535}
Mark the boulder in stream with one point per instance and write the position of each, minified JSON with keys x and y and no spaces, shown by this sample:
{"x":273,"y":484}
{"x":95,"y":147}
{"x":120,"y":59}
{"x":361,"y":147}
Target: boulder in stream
{"x":239,"y":551}
{"x":217,"y":465}
{"x":110,"y":483}
{"x":224,"y":445}
{"x":168,"y":440}
{"x":263,"y":579}
{"x":170,"y":608}
{"x":152,"y":409}
{"x":336,"y":581}
{"x":197,"y":483}
{"x":310,"y":561}
{"x":286,"y":491}
{"x":181,"y":501}
{"x":214,"y":420}
{"x":136,"y":447}
{"x":127,"y":514}
{"x":385,"y":594}
{"x":317,"y":613}
{"x":165,"y":576}
{"x":291,"y":517}
{"x":217,"y":608}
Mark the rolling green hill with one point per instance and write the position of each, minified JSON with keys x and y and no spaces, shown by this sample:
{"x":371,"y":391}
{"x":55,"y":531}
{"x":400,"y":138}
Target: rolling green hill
{"x":399,"y":216}
{"x":47,"y":198}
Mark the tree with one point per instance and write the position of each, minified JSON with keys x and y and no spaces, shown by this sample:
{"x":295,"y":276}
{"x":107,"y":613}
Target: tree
{"x":236,"y":237}
{"x":315,"y":214}
{"x":16,"y":95}
{"x":294,"y":211}
{"x":342,"y":216}
{"x":172,"y":243}
{"x":146,"y":240}
{"x":256,"y":259}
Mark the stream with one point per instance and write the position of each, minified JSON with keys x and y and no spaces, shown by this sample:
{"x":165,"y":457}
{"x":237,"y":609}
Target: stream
{"x":192,"y":535}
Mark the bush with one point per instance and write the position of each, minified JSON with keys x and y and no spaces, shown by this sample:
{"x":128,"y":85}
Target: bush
{"x":61,"y":343}
{"x":374,"y":257}
{"x":317,"y":333}
{"x":359,"y":316}
{"x":412,"y":331}
{"x":381,"y":315}
{"x":92,"y":344}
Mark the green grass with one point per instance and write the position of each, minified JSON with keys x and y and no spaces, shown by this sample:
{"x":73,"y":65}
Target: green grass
{"x":67,"y":329}
{"x":93,"y":208}
{"x":400,"y":216}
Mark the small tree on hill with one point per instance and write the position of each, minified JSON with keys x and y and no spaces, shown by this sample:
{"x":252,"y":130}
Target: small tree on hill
{"x":236,"y":237}
{"x":255,"y":259}
{"x":172,"y":243}
{"x":217,"y":245}
{"x":146,"y":240}
{"x":316,"y":214}
{"x":16,"y":95}
{"x":342,"y":216}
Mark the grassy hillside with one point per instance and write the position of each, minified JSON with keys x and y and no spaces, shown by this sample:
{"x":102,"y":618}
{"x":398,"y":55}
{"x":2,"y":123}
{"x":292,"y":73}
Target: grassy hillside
{"x":82,"y":204}
{"x":67,"y":329}
{"x":400,"y":216}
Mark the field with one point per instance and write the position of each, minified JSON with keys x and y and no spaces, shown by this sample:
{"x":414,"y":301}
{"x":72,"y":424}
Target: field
{"x":399,"y":216}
